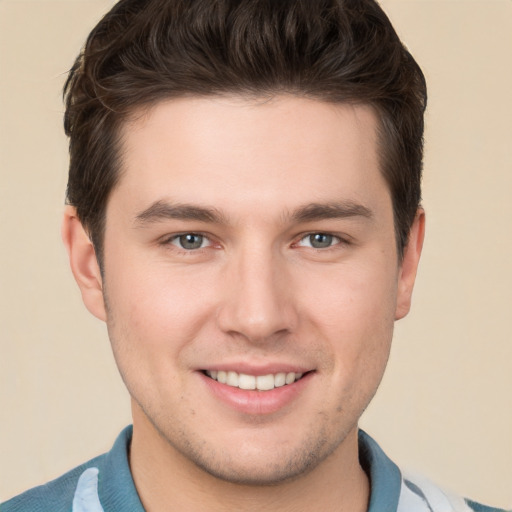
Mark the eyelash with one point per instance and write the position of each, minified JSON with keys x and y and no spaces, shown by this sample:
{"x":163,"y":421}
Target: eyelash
{"x":335,"y":241}
{"x":175,"y":238}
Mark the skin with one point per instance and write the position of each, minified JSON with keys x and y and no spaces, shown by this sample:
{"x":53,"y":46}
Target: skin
{"x":257,"y":292}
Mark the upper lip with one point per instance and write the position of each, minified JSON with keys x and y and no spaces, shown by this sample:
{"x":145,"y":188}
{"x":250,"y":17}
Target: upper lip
{"x":256,"y":370}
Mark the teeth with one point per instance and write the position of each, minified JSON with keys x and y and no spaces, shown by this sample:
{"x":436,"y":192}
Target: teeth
{"x":290,"y":377}
{"x":246,"y":381}
{"x":232,"y":379}
{"x":261,"y":382}
{"x":265,"y":382}
{"x":280,"y":380}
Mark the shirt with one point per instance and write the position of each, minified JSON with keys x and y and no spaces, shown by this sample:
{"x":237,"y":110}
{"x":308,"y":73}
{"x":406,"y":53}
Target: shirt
{"x":105,"y":484}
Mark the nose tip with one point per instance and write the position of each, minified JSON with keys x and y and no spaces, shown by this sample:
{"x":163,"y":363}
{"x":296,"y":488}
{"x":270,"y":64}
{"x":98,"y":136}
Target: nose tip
{"x":258,"y":327}
{"x":256,"y":320}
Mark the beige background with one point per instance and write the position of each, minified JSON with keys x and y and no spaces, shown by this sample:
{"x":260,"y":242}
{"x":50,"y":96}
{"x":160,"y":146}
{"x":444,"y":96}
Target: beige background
{"x":445,"y":406}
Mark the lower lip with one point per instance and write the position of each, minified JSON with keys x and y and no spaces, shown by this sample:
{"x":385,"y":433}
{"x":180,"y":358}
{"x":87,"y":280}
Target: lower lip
{"x":257,"y":402}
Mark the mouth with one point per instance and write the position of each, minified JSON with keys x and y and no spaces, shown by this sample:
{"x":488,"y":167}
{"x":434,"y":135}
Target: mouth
{"x":254,"y":382}
{"x":260,"y":391}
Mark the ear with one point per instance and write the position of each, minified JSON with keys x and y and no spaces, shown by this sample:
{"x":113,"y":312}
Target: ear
{"x":83,"y":262}
{"x":409,"y":265}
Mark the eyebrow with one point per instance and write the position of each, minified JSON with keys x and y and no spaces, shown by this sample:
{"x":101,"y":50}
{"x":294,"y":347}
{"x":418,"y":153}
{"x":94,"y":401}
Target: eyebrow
{"x":335,"y":210}
{"x":163,"y":210}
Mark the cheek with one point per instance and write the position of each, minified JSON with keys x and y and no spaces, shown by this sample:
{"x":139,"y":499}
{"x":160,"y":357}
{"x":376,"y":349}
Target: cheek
{"x":353,"y":298}
{"x":154,"y":313}
{"x":150,"y":327}
{"x":158,"y":291}
{"x":353,"y":310}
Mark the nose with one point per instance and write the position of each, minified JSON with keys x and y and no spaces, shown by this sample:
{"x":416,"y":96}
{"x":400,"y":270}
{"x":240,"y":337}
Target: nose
{"x":258,"y":300}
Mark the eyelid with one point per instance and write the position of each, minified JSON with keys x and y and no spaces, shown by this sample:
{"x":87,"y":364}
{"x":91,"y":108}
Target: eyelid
{"x":170,"y":238}
{"x":338,"y":240}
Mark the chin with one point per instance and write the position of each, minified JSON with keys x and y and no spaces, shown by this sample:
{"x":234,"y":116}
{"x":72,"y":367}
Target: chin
{"x":254,"y":465}
{"x":263,"y":474}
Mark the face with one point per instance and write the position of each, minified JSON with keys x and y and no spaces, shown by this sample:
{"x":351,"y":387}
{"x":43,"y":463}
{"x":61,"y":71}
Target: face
{"x":251,"y":279}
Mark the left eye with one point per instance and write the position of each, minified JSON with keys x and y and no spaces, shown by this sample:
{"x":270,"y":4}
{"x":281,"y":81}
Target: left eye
{"x":190,"y":241}
{"x":319,"y":241}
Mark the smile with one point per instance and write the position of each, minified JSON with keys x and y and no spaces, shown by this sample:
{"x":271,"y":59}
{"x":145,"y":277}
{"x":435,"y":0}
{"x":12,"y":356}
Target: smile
{"x":252,"y":382}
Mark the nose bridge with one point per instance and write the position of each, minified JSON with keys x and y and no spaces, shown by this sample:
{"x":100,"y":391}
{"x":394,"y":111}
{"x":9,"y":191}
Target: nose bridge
{"x":258,"y":304}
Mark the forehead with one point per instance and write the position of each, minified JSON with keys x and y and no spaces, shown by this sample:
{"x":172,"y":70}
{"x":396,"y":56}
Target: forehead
{"x":233,"y":151}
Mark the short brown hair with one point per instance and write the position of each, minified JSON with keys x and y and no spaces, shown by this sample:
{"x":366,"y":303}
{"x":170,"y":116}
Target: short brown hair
{"x":144,"y":51}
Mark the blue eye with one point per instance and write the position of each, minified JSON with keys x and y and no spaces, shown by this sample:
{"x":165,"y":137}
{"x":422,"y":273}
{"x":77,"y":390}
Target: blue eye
{"x":319,"y":240}
{"x":190,"y":241}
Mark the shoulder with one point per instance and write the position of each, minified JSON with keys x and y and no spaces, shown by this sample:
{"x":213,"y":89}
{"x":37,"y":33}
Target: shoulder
{"x":55,"y":496}
{"x":419,"y":494}
{"x":400,"y":491}
{"x":478,"y":507}
{"x":103,"y":483}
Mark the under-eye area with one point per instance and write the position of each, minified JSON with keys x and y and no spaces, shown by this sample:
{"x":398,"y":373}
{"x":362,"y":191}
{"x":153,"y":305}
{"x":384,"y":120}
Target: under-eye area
{"x":252,"y":382}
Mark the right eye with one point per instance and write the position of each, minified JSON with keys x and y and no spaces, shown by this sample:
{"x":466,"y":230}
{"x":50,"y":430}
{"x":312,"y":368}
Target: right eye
{"x":190,"y":241}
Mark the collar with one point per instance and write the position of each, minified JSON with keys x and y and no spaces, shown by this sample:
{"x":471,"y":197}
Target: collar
{"x":384,"y":475}
{"x":116,"y":488}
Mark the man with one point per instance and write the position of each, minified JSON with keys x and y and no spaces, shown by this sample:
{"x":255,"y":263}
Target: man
{"x":244,"y":215}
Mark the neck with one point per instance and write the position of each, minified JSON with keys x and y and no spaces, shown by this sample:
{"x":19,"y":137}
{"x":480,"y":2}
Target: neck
{"x":167,"y":481}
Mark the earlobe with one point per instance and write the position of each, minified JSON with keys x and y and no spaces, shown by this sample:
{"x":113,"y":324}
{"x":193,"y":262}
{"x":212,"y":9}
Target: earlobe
{"x":409,"y":265}
{"x":83,"y":262}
